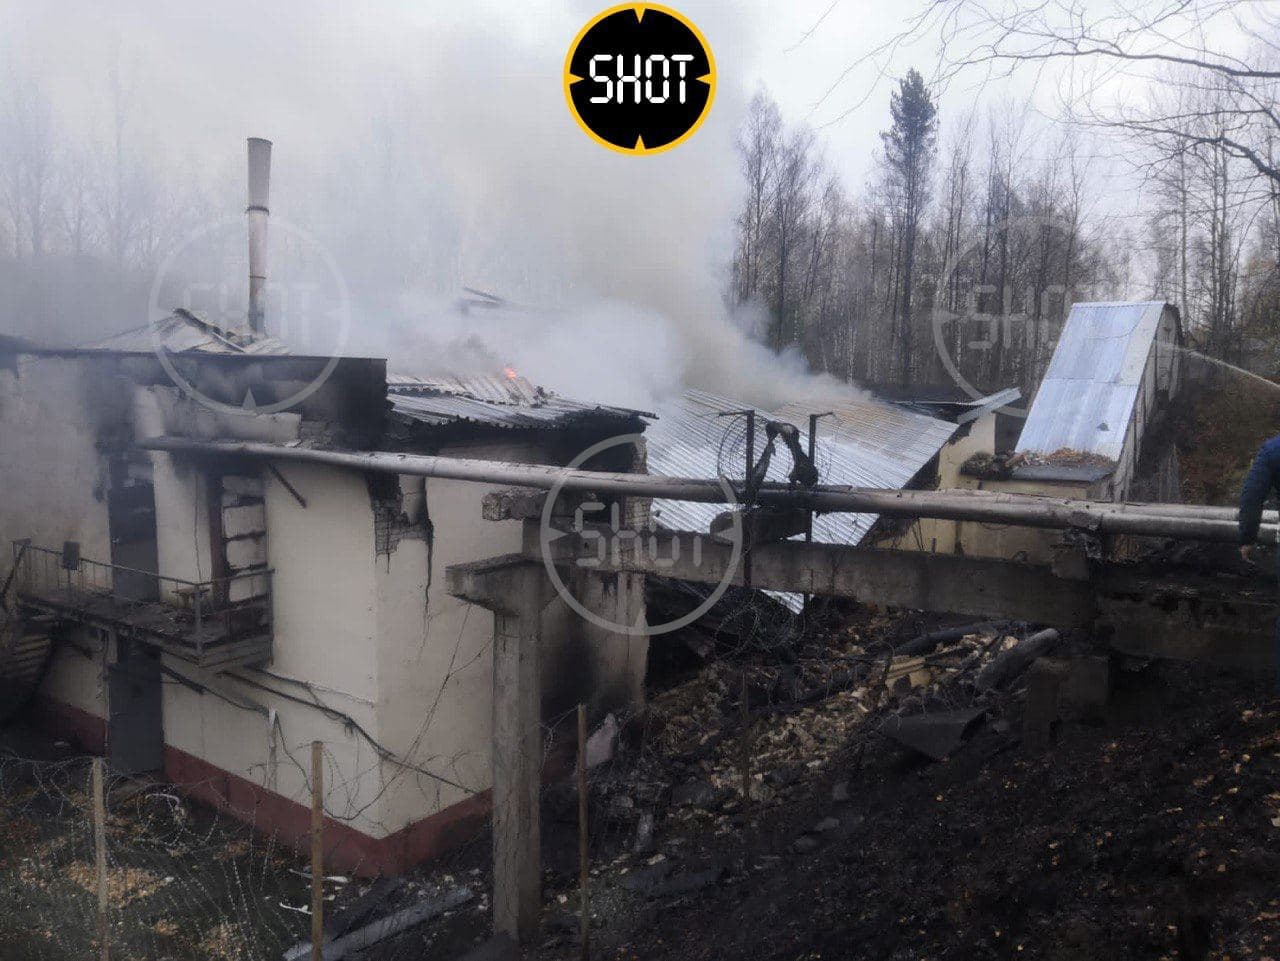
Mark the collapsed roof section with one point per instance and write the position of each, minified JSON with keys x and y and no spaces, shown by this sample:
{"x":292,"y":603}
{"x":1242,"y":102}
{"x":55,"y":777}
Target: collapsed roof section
{"x":419,"y":409}
{"x":185,"y":330}
{"x":867,"y":442}
{"x":502,"y":402}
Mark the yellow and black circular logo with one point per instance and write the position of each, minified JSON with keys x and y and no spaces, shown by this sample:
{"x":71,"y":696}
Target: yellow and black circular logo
{"x":640,"y":78}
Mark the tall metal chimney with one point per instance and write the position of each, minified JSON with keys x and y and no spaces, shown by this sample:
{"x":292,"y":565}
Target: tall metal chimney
{"x":259,"y":200}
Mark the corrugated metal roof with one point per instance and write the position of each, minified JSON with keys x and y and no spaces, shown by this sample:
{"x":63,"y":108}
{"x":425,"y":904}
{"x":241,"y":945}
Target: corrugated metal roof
{"x":506,"y":401}
{"x":506,"y":388}
{"x":1087,"y":396}
{"x":963,"y":411}
{"x":867,"y":443}
{"x":184,"y":330}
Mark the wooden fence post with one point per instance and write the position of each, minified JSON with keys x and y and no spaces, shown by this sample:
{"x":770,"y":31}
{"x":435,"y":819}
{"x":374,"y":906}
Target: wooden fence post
{"x":317,"y":851}
{"x":100,"y":857}
{"x":584,"y":853}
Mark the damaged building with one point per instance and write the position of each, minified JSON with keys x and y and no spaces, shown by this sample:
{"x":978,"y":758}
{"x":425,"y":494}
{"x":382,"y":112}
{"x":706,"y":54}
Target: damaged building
{"x":859,"y":441}
{"x":205,"y":616}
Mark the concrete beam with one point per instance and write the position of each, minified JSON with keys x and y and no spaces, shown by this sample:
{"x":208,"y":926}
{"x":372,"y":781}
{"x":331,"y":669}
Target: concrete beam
{"x":1187,"y":618}
{"x":913,"y":579}
{"x":1171,"y":614}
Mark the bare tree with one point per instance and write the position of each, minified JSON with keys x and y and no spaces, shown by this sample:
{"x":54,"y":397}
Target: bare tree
{"x":758,"y":147}
{"x":27,"y":136}
{"x":1101,"y":40}
{"x":797,"y":171}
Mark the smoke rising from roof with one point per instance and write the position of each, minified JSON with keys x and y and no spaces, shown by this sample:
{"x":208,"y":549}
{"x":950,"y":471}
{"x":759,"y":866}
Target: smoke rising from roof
{"x":618,"y":263}
{"x":428,"y":151}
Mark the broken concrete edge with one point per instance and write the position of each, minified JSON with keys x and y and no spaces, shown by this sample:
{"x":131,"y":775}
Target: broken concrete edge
{"x":513,"y":504}
{"x":490,"y":583}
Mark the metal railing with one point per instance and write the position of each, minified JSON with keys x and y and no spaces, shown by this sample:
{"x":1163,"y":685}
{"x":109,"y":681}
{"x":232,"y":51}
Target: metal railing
{"x":196,"y":613}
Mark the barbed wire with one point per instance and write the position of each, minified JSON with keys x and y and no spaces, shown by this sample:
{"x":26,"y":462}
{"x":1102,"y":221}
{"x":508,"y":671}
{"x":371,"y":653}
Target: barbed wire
{"x":189,"y":881}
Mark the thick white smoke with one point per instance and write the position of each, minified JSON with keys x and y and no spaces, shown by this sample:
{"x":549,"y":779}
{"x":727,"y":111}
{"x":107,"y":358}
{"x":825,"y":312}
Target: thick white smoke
{"x":426,"y":148}
{"x":622,"y":260}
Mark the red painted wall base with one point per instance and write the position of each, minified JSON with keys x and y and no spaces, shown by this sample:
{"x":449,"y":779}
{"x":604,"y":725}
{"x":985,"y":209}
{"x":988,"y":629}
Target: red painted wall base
{"x":86,"y":731}
{"x":346,"y":849}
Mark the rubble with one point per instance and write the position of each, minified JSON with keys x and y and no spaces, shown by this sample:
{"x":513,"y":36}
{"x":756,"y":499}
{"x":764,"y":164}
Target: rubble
{"x":643,"y":843}
{"x":988,"y":466}
{"x":934,"y":735}
{"x":812,"y":710}
{"x":1123,"y":843}
{"x":696,"y":793}
{"x":602,"y":742}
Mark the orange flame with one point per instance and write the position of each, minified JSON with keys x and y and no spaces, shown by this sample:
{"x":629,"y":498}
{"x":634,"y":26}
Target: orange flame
{"x":510,"y":372}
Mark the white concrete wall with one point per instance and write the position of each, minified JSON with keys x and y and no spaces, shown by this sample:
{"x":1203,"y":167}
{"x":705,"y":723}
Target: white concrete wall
{"x":265,"y":738}
{"x":435,"y":667}
{"x":325,"y":629}
{"x":324,"y":650}
{"x":372,"y":636}
{"x":55,"y":480}
{"x":434,"y":654}
{"x":376,"y":636}
{"x":325,"y":613}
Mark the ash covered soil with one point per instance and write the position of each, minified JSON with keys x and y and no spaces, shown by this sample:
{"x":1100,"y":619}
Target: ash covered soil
{"x":1152,"y":833}
{"x":1149,"y":830}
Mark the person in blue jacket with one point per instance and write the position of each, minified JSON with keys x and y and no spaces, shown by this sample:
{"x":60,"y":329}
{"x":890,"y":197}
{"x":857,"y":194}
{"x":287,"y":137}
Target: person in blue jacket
{"x":1262,"y":480}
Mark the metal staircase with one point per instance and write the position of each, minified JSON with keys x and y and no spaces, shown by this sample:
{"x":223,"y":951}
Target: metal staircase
{"x":26,"y":648}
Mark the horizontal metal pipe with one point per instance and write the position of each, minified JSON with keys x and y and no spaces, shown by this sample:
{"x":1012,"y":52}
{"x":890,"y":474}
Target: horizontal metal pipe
{"x":1139,"y":507}
{"x":1022,"y":510}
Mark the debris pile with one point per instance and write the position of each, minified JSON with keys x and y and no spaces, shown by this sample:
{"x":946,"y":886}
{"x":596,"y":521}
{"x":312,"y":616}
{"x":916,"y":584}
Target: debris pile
{"x":1156,"y":835}
{"x":674,"y":809}
{"x":987,"y":466}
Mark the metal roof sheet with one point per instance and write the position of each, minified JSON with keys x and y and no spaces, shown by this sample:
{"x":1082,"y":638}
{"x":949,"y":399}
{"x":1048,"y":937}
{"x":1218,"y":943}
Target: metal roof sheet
{"x":184,"y":330}
{"x":507,"y":401}
{"x":867,"y":443}
{"x":963,"y":411}
{"x":506,"y":388}
{"x":1087,"y":396}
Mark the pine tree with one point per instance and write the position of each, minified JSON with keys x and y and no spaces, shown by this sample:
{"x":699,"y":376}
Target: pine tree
{"x":908,"y":147}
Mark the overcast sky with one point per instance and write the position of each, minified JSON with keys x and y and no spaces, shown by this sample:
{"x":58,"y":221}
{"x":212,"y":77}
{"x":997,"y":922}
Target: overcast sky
{"x":211,"y":73}
{"x":422,"y":136}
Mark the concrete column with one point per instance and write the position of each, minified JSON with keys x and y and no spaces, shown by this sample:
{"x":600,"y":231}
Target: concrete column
{"x":517,"y":757}
{"x":1044,"y":685}
{"x":516,"y":590}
